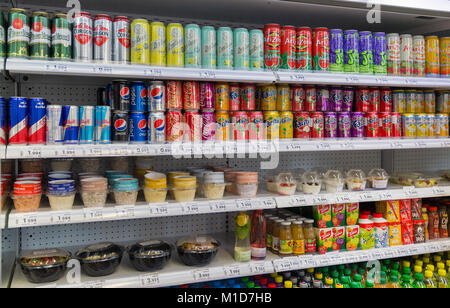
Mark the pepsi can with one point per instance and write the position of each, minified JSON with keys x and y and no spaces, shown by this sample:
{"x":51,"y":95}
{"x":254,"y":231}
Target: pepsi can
{"x":18,"y":120}
{"x":156,"y":127}
{"x":108,"y":94}
{"x":120,"y":128}
{"x":55,"y":127}
{"x":87,"y":122}
{"x":120,"y":96}
{"x":3,"y":124}
{"x":37,"y":115}
{"x":138,"y":127}
{"x":138,"y":101}
{"x":103,"y":124}
{"x":70,"y":124}
{"x":156,"y":96}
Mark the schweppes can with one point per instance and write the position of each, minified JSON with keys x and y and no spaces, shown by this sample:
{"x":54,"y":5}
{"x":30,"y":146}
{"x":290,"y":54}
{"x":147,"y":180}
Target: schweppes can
{"x":442,"y":125}
{"x":286,"y":125}
{"x":409,"y":125}
{"x":157,"y":44}
{"x":140,"y":38}
{"x":283,"y":97}
{"x":269,"y":97}
{"x":272,"y":124}
{"x":175,"y":45}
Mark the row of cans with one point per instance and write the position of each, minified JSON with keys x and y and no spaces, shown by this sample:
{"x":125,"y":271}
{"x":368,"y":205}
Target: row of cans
{"x":421,"y":101}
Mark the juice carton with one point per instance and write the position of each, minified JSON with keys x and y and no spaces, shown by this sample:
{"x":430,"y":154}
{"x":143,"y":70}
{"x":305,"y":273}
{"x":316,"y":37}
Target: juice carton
{"x":391,"y":210}
{"x":395,"y":234}
{"x":351,"y":237}
{"x":324,"y":240}
{"x":338,"y":214}
{"x":416,"y":209}
{"x":338,"y":238}
{"x":407,"y":233}
{"x":322,"y":216}
{"x":351,"y":213}
{"x":366,"y":233}
{"x":405,"y":210}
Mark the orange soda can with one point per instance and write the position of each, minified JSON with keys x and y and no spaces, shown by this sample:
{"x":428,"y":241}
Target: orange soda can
{"x":444,"y":56}
{"x":269,"y":97}
{"x":432,"y":56}
{"x":222,"y":96}
{"x":223,"y":130}
{"x":420,"y":101}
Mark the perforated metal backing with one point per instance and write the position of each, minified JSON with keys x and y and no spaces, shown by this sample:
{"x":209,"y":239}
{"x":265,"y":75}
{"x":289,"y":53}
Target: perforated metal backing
{"x":9,"y":240}
{"x":422,"y":160}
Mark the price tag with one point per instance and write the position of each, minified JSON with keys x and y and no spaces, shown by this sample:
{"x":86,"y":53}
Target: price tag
{"x":381,"y":80}
{"x":149,"y":280}
{"x":367,"y":196}
{"x":207,"y":75}
{"x":413,"y":250}
{"x":232,"y":271}
{"x":352,"y":79}
{"x":297,"y":77}
{"x":158,"y":210}
{"x":396,"y":145}
{"x":264,"y":147}
{"x":283,"y":265}
{"x":298,"y":201}
{"x":347,"y":145}
{"x":389,"y":253}
{"x":190,"y":208}
{"x":258,"y":268}
{"x":244,"y":204}
{"x":294,"y":147}
{"x":268,"y":203}
{"x":343,"y":198}
{"x":231,"y":148}
{"x":217,"y":206}
{"x":96,"y":151}
{"x":56,"y":68}
{"x":363,"y":257}
{"x":33,"y":152}
{"x":377,"y":255}
{"x":125,"y":211}
{"x":410,"y":81}
{"x":421,"y":145}
{"x":312,"y":262}
{"x":102,"y":69}
{"x":67,"y":152}
{"x":142,"y":150}
{"x":386,"y":195}
{"x":165,"y":149}
{"x":438,"y":190}
{"x":445,"y":144}
{"x":323,"y":146}
{"x":351,"y":259}
{"x":93,"y":213}
{"x":410,"y":191}
{"x":324,"y":261}
{"x":320,"y":200}
{"x":61,"y":218}
{"x":154,"y":72}
{"x":201,"y":275}
{"x":26,"y":220}
{"x":99,"y":284}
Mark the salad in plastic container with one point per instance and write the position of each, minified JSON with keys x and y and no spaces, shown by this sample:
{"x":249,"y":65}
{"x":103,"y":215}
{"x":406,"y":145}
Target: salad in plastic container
{"x":100,"y":259}
{"x":197,"y":250}
{"x":43,"y":266}
{"x":311,"y":182}
{"x":356,"y":179}
{"x":286,"y":184}
{"x":334,"y":181}
{"x":149,"y":255}
{"x":378,"y":178}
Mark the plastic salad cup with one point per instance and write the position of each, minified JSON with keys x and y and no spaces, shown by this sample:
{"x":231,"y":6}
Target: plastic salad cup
{"x":356,"y":179}
{"x":311,"y":183}
{"x":150,"y":255}
{"x":197,"y":250}
{"x":100,"y":259}
{"x":378,"y":178}
{"x":334,"y":181}
{"x":286,"y":184}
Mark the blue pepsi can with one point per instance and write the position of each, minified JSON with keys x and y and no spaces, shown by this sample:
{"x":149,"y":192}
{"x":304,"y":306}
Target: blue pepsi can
{"x":37,"y":115}
{"x":18,"y":120}
{"x":138,"y":127}
{"x":70,"y":124}
{"x":55,"y":127}
{"x":87,"y":123}
{"x":103,"y":124}
{"x":3,"y":124}
{"x":138,"y":102}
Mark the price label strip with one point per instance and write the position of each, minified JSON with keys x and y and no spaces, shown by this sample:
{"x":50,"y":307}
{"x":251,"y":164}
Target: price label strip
{"x":25,"y":220}
{"x":258,"y":268}
{"x":61,"y":218}
{"x":149,"y":280}
{"x":201,"y":275}
{"x":232,"y":271}
{"x":126,"y":211}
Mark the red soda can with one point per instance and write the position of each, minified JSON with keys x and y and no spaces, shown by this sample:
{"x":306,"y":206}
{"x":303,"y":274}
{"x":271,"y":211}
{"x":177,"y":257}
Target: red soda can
{"x":174,"y":98}
{"x":288,"y":48}
{"x":191,"y":95}
{"x":240,"y":122}
{"x":321,"y":50}
{"x":304,"y":48}
{"x":372,"y":125}
{"x":363,"y":99}
{"x":317,"y":125}
{"x":386,"y":100}
{"x":174,"y":126}
{"x":272,"y":48}
{"x":248,"y":97}
{"x":374,"y":95}
{"x":235,"y":97}
{"x":194,"y":122}
{"x":310,"y":101}
{"x":297,"y":98}
{"x":385,"y":125}
{"x":396,"y":120}
{"x":208,"y":125}
{"x":255,"y":125}
{"x":302,"y":125}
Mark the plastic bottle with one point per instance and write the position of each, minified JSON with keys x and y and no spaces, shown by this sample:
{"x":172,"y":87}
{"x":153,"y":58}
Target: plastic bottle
{"x":406,"y":282}
{"x":430,"y":267}
{"x":381,"y":231}
{"x":354,"y":269}
{"x":272,"y":286}
{"x":393,"y":282}
{"x":329,"y":283}
{"x":258,"y":235}
{"x":250,"y":285}
{"x":362,"y":273}
{"x":366,"y":232}
{"x":325,"y":273}
{"x":418,"y":281}
{"x":341,"y":269}
{"x":304,"y":285}
{"x":317,"y":284}
{"x":369,"y":284}
{"x":358,"y":280}
{"x":335,"y":276}
{"x":242,"y":249}
{"x":345,"y":280}
{"x":429,"y":282}
{"x":288,"y":284}
{"x":417,"y":269}
{"x":442,"y":282}
{"x":279,"y":281}
{"x":381,"y":284}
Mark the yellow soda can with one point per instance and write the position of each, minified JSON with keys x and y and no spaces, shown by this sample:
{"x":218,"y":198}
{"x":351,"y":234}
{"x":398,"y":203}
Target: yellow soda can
{"x":283,"y":97}
{"x":399,"y":98}
{"x":430,"y":101}
{"x":421,"y":125}
{"x":432,"y":68}
{"x":157,"y":44}
{"x":269,"y":97}
{"x":175,"y":45}
{"x":432,"y":126}
{"x":272,"y":124}
{"x":409,"y":125}
{"x":286,"y":125}
{"x":411,"y":101}
{"x":442,"y":123}
{"x":420,"y":101}
{"x":140,"y":38}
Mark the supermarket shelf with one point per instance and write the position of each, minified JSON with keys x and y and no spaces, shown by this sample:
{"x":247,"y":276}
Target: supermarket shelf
{"x":8,"y":259}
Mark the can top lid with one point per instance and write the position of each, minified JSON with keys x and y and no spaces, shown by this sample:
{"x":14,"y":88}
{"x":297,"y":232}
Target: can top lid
{"x":379,"y":33}
{"x":118,"y":18}
{"x":60,"y":15}
{"x":335,"y":30}
{"x":103,"y":16}
{"x":365,"y":32}
{"x":272,"y":25}
{"x":320,"y":28}
{"x":289,"y":26}
{"x":304,"y":27}
{"x":176,"y":24}
{"x":86,"y":14}
{"x":431,"y":37}
{"x":40,"y":13}
{"x":18,"y":10}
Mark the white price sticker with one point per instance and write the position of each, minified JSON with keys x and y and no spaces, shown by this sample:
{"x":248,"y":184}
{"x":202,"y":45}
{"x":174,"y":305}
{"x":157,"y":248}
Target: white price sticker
{"x":67,"y":152}
{"x":396,"y":145}
{"x":377,"y":255}
{"x":56,"y":68}
{"x":99,"y":284}
{"x":352,"y":79}
{"x":244,"y":204}
{"x":142,"y":150}
{"x":297,"y":77}
{"x":410,"y":191}
{"x":268,"y":203}
{"x":258,"y":268}
{"x":438,"y":190}
{"x":382,"y":80}
{"x":347,"y":145}
{"x":320,"y":200}
{"x":343,"y":198}
{"x":149,"y":280}
{"x":217,"y":206}
{"x":294,"y":147}
{"x":165,"y":149}
{"x":102,"y":69}
{"x":323,"y":146}
{"x":386,"y":195}
{"x":125,"y":211}
{"x":366,"y":197}
{"x":298,"y":201}
{"x":95,"y":151}
{"x":93,"y":213}
{"x":61,"y":218}
{"x":190,"y":208}
{"x":232,"y":271}
{"x":32,"y":152}
{"x":26,"y":220}
{"x":201,"y":275}
{"x":158,"y":210}
{"x":207,"y":75}
{"x":154,"y":72}
{"x":283,"y":265}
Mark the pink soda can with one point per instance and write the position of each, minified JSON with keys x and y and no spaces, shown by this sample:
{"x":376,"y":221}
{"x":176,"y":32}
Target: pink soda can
{"x":240,"y":122}
{"x":208,"y":125}
{"x":235,"y":97}
{"x":207,"y":95}
{"x":298,"y":98}
{"x":255,"y":125}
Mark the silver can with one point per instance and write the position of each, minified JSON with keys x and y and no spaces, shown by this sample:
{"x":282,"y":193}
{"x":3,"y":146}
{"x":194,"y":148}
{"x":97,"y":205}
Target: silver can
{"x":156,"y":127}
{"x":121,"y":40}
{"x":156,"y":96}
{"x":103,"y":39}
{"x":55,"y":129}
{"x":82,"y":37}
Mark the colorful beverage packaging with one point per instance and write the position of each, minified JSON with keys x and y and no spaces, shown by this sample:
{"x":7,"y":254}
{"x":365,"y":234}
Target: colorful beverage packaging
{"x":351,"y":214}
{"x":338,"y":214}
{"x":272,"y":46}
{"x":444,"y":56}
{"x":175,"y":45}
{"x":225,"y":48}
{"x":304,"y":49}
{"x":256,"y":49}
{"x":158,"y":52}
{"x":321,"y":50}
{"x":322,"y":216}
{"x":241,"y":49}
{"x":365,"y":52}
{"x":432,"y":67}
{"x":288,"y":48}
{"x":352,"y":237}
{"x":336,"y":50}
{"x":351,"y":51}
{"x":419,"y":55}
{"x":393,"y":53}
{"x":140,"y":36}
{"x":406,"y":55}
{"x":379,"y":53}
{"x":193,"y":46}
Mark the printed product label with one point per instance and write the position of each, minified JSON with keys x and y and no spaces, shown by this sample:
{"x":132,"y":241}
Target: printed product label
{"x":299,"y":247}
{"x":62,"y":36}
{"x":286,"y":246}
{"x":258,"y":252}
{"x":310,"y":245}
{"x":243,"y":256}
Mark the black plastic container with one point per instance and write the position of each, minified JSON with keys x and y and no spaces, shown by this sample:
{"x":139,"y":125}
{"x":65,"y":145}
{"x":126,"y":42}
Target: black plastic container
{"x":150,"y":255}
{"x":197,"y":251}
{"x":101,"y":259}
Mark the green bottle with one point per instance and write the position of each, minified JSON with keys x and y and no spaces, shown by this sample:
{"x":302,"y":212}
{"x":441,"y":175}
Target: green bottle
{"x":418,"y":281}
{"x":406,"y":282}
{"x":335,"y":276}
{"x":369,"y":284}
{"x":345,"y":281}
{"x":357,"y":279}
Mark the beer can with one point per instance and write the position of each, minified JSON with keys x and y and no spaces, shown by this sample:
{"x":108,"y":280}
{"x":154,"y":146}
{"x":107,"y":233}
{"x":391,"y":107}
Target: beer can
{"x":337,"y":99}
{"x":194,"y":126}
{"x":399,"y":100}
{"x":298,"y":98}
{"x":386,"y":100}
{"x":256,"y":50}
{"x":330,"y":125}
{"x":192,"y":46}
{"x":432,"y":67}
{"x":323,"y":99}
{"x":406,"y":55}
{"x":61,"y":38}
{"x":174,"y":126}
{"x":240,"y":123}
{"x":443,"y":101}
{"x":120,"y":129}
{"x":158,"y":44}
{"x":442,"y":124}
{"x":225,"y":48}
{"x":18,"y":34}
{"x":140,"y":38}
{"x":396,"y":119}
{"x":36,"y":120}
{"x":283,"y":98}
{"x":55,"y":128}
{"x":2,"y":37}
{"x":208,"y":125}
{"x":409,"y":125}
{"x":70,"y":124}
{"x":419,"y":55}
{"x":121,"y":53}
{"x":362,"y":99}
{"x":310,"y":98}
{"x":379,"y":53}
{"x":209,"y":47}
{"x":421,"y":125}
{"x":286,"y":125}
{"x":385,"y":125}
{"x":241,"y":49}
{"x":120,"y":95}
{"x":87,"y":124}
{"x":223,"y":125}
{"x":430,"y":101}
{"x":304,"y":49}
{"x":344,"y":125}
{"x":349,"y":98}
{"x":372,"y":124}
{"x":156,"y":127}
{"x":393,"y":54}
{"x":375,"y":99}
{"x":272,"y":46}
{"x":255,"y":125}
{"x":174,"y":97}
{"x":336,"y":50}
{"x":235,"y":97}
{"x":321,"y":50}
{"x":272,"y":124}
{"x":139,"y":97}
{"x":420,"y":101}
{"x":411,"y":101}
{"x":103,"y":38}
{"x":103,"y":124}
{"x":317,"y":125}
{"x":365,"y":52}
{"x":248,"y":100}
{"x":191,"y":95}
{"x":288,"y":48}
{"x":432,"y":126}
{"x":444,"y":56}
{"x":269,"y":97}
{"x":82,"y":37}
{"x":175,"y":45}
{"x":207,"y":95}
{"x":138,"y":128}
{"x":351,"y":51}
{"x":302,"y":125}
{"x":156,"y":96}
{"x":222,"y":96}
{"x":40,"y":36}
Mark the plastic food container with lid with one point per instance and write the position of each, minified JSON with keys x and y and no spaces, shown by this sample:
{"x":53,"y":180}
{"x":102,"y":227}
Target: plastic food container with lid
{"x":230,"y":177}
{"x":100,"y":259}
{"x":199,"y":174}
{"x":378,"y":178}
{"x":405,"y":178}
{"x":356,"y":179}
{"x":197,"y":250}
{"x":61,"y":164}
{"x":271,"y":181}
{"x":61,"y":194}
{"x":214,"y":185}
{"x":90,"y":164}
{"x":334,"y":181}
{"x":247,"y":184}
{"x":59,"y":176}
{"x":425,"y":180}
{"x":94,"y":191}
{"x":286,"y":184}
{"x":311,"y":183}
{"x":43,"y":266}
{"x":155,"y":187}
{"x":150,"y":255}
{"x":32,"y":165}
{"x":4,"y":183}
{"x":125,"y":191}
{"x":184,"y":188}
{"x":27,"y":196}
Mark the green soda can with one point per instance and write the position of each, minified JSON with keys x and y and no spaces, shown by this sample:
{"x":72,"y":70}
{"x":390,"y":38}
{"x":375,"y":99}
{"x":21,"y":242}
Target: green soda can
{"x":61,"y":38}
{"x":241,"y":49}
{"x":209,"y":47}
{"x":351,"y":51}
{"x":18,"y":33}
{"x":256,"y":50}
{"x":2,"y":35}
{"x":224,"y":48}
{"x":193,"y":46}
{"x":40,"y":38}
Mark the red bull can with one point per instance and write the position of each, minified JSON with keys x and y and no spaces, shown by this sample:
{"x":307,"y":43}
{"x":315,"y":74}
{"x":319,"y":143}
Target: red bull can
{"x":87,"y":123}
{"x":70,"y":124}
{"x":156,"y":96}
{"x":55,"y":128}
{"x":138,"y":128}
{"x":103,"y":124}
{"x":37,"y":121}
{"x":156,"y":127}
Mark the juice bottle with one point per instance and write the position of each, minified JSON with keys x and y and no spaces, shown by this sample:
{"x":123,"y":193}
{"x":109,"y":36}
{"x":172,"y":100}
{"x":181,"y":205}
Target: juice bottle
{"x":279,"y":281}
{"x":309,"y":276}
{"x":288,"y":284}
{"x":242,"y":249}
{"x":407,"y":272}
{"x":286,"y":240}
{"x":433,"y":224}
{"x":357,"y":279}
{"x":443,"y":221}
{"x":430,"y":267}
{"x":393,"y":282}
{"x":299,"y":237}
{"x":362,"y":273}
{"x":429,"y":282}
{"x":406,"y":282}
{"x":329,"y":283}
{"x":345,"y":280}
{"x":369,"y":284}
{"x":427,"y":223}
{"x":325,"y":272}
{"x":436,"y":259}
{"x":405,"y":264}
{"x":335,"y":276}
{"x":419,"y":263}
{"x":310,"y":237}
{"x":381,"y":284}
{"x":347,"y":273}
{"x":418,"y":281}
{"x":442,"y":282}
{"x":276,"y":235}
{"x":258,"y":235}
{"x":318,"y":274}
{"x":417,"y":269}
{"x":354,"y":269}
{"x":341,"y":268}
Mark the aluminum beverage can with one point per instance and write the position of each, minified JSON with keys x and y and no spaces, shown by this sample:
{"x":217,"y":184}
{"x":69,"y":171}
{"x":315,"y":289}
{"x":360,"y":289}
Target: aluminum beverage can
{"x":396,"y":124}
{"x":385,"y":125}
{"x":331,"y":125}
{"x":399,"y":100}
{"x":108,"y":95}
{"x":432,"y":126}
{"x":411,"y":101}
{"x":103,"y":124}
{"x":174,"y":97}
{"x":248,"y":100}
{"x":323,"y":99}
{"x":103,"y":38}
{"x":37,"y":119}
{"x":372,"y":125}
{"x":18,"y":33}
{"x":286,"y":125}
{"x":71,"y":124}
{"x":393,"y":53}
{"x":207,"y":95}
{"x":386,"y":100}
{"x":209,"y":47}
{"x":362,"y":99}
{"x":175,"y":45}
{"x":192,"y":46}
{"x":409,"y":125}
{"x":120,"y":95}
{"x":256,"y":50}
{"x":138,"y":127}
{"x":55,"y":127}
{"x":272,"y":124}
{"x":351,"y":51}
{"x":235,"y":97}
{"x":359,"y":129}
{"x":418,"y":55}
{"x":432,"y":56}
{"x":158,"y":44}
{"x":317,"y":125}
{"x":269,"y":97}
{"x":430,"y":101}
{"x":442,"y":123}
{"x":3,"y":122}
{"x":310,"y":98}
{"x":304,"y":49}
{"x":225,"y":48}
{"x":349,"y":98}
{"x":240,"y":122}
{"x":208,"y":125}
{"x":298,"y":98}
{"x":420,"y":101}
{"x":379,"y":53}
{"x":2,"y":37}
{"x":82,"y":37}
{"x":272,"y":46}
{"x":241,"y":43}
{"x":194,"y":125}
{"x":443,"y":101}
{"x":337,"y":99}
{"x":336,"y":50}
{"x":191,"y":95}
{"x":320,"y":50}
{"x":406,"y":55}
{"x":174,"y":126}
{"x":87,"y":123}
{"x":444,"y":56}
{"x":258,"y":97}
{"x":302,"y":125}
{"x":120,"y":129}
{"x":121,"y":40}
{"x":283,"y":97}
{"x":365,"y":52}
{"x":421,"y":125}
{"x":61,"y":38}
{"x":375,"y":99}
{"x":156,"y":96}
{"x":223,"y":126}
{"x":344,"y":125}
{"x":222,"y":96}
{"x":156,"y":128}
{"x":288,"y":48}
{"x":255,"y":125}
{"x":140,"y":38}
{"x":139,"y":97}
{"x":40,"y":36}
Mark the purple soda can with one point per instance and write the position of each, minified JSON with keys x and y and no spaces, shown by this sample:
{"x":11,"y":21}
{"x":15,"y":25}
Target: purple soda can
{"x":348,"y":99}
{"x":351,"y":51}
{"x":344,"y":125}
{"x":336,"y":50}
{"x":337,"y":99}
{"x":365,"y":52}
{"x":379,"y":53}
{"x":323,"y":99}
{"x":208,"y":125}
{"x":331,"y":125}
{"x":357,"y":124}
{"x":70,"y":124}
{"x":207,"y":95}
